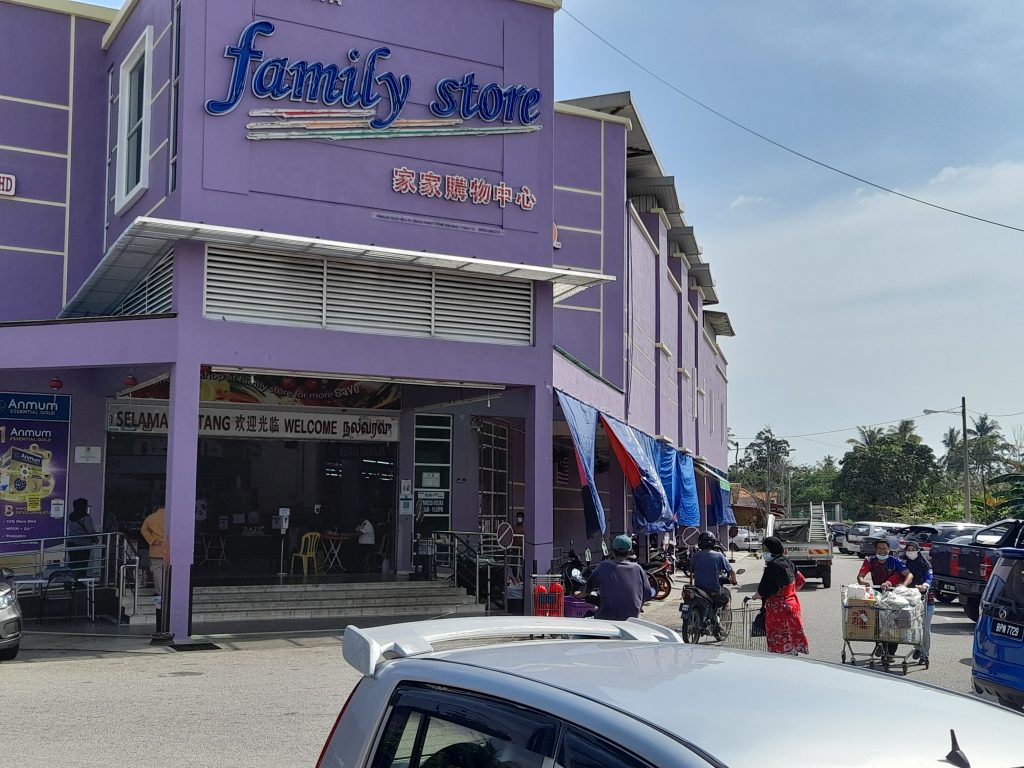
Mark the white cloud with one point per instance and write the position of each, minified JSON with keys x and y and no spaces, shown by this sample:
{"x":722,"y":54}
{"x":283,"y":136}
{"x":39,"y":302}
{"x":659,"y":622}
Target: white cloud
{"x":745,"y":200}
{"x":868,"y":307}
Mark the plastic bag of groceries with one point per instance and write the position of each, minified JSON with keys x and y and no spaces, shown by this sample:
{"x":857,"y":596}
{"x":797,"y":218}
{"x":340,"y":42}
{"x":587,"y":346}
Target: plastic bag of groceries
{"x":911,"y":594}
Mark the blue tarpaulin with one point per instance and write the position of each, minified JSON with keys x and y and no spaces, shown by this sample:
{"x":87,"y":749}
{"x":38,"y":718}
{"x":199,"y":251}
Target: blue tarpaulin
{"x":639,"y":455}
{"x":582,"y":420}
{"x":676,"y":471}
{"x":720,"y":509}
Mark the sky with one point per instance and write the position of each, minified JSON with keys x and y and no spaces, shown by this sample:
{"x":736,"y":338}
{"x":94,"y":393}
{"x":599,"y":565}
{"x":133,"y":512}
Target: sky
{"x":851,"y":306}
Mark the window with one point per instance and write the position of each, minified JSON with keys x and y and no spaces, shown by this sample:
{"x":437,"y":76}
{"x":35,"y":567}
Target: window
{"x":584,"y":750}
{"x":439,"y":728}
{"x":172,"y":177}
{"x":133,"y":124}
{"x":992,"y":536}
{"x":432,"y":473}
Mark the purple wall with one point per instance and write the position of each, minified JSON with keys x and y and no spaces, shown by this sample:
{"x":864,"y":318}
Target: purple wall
{"x":642,"y":315}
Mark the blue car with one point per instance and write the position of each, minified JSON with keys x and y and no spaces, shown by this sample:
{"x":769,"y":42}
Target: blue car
{"x":999,"y":637}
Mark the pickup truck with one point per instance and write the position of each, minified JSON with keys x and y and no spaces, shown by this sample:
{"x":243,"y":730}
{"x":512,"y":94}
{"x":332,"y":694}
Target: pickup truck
{"x":968,"y":566}
{"x":808,"y":542}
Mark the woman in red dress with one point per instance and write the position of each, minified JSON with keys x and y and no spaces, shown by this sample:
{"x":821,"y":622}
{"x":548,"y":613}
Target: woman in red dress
{"x":783,"y":626}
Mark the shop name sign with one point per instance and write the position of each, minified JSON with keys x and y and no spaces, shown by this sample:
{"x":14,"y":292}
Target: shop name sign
{"x":459,"y":189}
{"x":8,"y":185}
{"x":351,"y":95}
{"x":152,"y":418}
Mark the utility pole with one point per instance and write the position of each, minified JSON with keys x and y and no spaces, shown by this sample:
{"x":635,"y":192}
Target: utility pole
{"x":967,"y":464}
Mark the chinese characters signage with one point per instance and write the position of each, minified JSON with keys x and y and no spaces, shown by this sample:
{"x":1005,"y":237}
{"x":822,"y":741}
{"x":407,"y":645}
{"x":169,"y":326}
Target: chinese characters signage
{"x":126,"y":416}
{"x":460,"y":189}
{"x":34,"y":449}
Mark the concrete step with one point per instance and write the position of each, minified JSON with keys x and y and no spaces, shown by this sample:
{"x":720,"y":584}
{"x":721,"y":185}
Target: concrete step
{"x":344,"y":586}
{"x":148,"y":617}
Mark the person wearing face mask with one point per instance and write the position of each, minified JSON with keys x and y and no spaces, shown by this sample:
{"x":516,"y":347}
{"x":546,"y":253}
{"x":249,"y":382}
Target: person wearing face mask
{"x":885,"y":572}
{"x":784,"y":626}
{"x":921,"y":568}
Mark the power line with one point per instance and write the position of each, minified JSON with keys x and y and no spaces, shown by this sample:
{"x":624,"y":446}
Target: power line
{"x":780,"y":145}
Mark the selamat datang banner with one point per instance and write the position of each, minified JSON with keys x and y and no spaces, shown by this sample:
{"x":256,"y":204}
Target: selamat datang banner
{"x":151,"y":418}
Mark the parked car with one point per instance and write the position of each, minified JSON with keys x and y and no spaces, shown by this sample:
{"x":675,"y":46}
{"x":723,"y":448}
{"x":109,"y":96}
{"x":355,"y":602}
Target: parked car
{"x":999,"y":639}
{"x":860,"y":531}
{"x":746,"y":539}
{"x":838,"y":531}
{"x":10,"y":616}
{"x":967,"y":566}
{"x":945,"y":591}
{"x":637,"y":698}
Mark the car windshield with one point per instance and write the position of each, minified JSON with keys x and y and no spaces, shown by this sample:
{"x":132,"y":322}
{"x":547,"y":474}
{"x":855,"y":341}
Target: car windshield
{"x":860,"y":529}
{"x":960,"y":540}
{"x":952,"y":533}
{"x":792,"y":530}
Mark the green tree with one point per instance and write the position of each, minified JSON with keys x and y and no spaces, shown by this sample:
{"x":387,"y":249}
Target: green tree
{"x":953,"y":460}
{"x":887,"y":475}
{"x":1008,"y":497}
{"x":763,"y":467}
{"x":987,"y":450}
{"x":815,"y":483}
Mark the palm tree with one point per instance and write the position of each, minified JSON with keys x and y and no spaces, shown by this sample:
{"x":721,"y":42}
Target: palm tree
{"x":904,"y":432}
{"x":954,"y":445}
{"x":867,"y":437}
{"x":987,"y":448}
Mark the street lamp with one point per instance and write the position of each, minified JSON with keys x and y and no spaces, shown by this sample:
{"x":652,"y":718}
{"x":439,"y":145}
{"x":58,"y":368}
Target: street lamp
{"x":967,"y":462}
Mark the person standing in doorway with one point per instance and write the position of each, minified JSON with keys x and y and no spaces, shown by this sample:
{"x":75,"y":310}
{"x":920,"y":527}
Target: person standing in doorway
{"x":154,"y":532}
{"x":367,"y":541}
{"x":81,"y":536}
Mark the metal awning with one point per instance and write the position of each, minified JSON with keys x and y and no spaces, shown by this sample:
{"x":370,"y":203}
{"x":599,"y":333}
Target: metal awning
{"x":131,"y":258}
{"x":719,"y":322}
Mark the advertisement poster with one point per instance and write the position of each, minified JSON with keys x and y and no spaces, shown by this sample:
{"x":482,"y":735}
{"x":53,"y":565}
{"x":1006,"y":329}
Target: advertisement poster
{"x":35,"y":433}
{"x":245,"y":389}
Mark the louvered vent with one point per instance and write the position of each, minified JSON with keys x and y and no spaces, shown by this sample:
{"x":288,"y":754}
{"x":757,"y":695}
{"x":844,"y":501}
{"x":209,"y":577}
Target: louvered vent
{"x":153,"y":295}
{"x":367,"y":298}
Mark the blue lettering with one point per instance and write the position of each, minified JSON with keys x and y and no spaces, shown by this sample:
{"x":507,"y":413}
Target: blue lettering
{"x":469,"y":89}
{"x":512,"y":98}
{"x":447,"y":104}
{"x":321,"y":81}
{"x":361,"y":85}
{"x":243,"y":53}
{"x":398,"y":94}
{"x":528,"y":112}
{"x":367,"y":97}
{"x":273,"y":87}
{"x":491,"y":103}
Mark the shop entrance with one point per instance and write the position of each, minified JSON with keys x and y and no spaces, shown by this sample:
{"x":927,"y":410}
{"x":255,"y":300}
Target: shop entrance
{"x":330,"y":488}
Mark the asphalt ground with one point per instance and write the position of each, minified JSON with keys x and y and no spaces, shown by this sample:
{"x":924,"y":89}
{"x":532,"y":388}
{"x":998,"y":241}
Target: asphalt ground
{"x":952,"y":631}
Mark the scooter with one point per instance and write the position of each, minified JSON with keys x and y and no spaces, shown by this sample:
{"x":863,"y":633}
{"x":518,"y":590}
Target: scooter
{"x":703,"y":613}
{"x":658,"y":572}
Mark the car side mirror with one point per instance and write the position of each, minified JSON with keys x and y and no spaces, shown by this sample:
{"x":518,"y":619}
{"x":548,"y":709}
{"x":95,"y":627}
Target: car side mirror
{"x":6,"y":573}
{"x":741,"y":570}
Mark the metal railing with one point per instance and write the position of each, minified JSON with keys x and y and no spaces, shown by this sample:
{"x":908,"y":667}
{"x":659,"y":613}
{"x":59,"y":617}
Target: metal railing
{"x":473,"y":559}
{"x":112,"y":561}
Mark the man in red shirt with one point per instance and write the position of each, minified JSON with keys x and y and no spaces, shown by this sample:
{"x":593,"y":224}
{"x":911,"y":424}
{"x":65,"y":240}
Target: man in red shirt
{"x":886,"y":571}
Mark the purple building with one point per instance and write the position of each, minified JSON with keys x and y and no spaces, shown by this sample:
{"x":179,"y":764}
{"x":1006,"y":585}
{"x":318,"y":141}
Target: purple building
{"x":305,"y":255}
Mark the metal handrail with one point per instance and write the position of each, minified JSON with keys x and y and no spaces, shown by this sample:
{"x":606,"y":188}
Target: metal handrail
{"x":450,"y":545}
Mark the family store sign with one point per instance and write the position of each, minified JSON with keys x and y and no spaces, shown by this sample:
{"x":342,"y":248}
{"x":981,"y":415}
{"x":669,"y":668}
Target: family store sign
{"x":352,"y":95}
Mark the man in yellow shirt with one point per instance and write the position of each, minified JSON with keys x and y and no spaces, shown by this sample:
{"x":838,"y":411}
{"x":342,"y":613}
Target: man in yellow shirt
{"x":154,"y":532}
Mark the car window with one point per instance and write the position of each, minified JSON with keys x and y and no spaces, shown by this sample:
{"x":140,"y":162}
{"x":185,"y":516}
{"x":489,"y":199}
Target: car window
{"x":441,"y":728}
{"x":995,"y":534}
{"x":585,"y":750}
{"x":1006,"y":587}
{"x":859,"y":529}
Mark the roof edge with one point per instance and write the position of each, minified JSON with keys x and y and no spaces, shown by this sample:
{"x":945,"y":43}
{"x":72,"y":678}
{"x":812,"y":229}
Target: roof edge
{"x":118,"y":22}
{"x":70,"y":8}
{"x":564,"y":108}
{"x":554,"y":5}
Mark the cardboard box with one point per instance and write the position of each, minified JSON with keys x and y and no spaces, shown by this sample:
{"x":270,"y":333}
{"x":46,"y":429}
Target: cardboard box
{"x":860,"y":622}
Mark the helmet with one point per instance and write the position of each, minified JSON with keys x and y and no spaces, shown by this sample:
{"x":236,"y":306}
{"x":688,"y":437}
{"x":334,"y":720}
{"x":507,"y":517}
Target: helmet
{"x":707,"y":540}
{"x":622,"y":543}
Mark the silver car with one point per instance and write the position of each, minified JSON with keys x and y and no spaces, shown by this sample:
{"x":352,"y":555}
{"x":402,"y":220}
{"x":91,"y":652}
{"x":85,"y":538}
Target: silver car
{"x":10,"y":617}
{"x":637,"y":697}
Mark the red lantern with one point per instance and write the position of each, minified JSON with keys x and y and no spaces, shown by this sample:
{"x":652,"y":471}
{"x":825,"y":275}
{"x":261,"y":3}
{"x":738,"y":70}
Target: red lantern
{"x":56,"y":383}
{"x":131,"y":381}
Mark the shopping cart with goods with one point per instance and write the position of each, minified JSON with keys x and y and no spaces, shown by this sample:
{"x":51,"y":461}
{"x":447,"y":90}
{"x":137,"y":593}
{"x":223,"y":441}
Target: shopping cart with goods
{"x":548,"y":595}
{"x":885,"y":621}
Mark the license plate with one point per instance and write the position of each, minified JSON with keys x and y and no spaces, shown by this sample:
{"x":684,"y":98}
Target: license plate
{"x":1006,"y":629}
{"x":946,"y":589}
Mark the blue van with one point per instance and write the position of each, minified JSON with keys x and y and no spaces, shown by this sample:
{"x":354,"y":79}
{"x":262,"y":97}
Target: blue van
{"x":999,"y":636}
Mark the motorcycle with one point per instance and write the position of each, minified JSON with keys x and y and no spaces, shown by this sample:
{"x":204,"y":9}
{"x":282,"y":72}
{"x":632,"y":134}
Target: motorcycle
{"x":658,"y":573}
{"x":574,"y":572}
{"x":706,"y":614}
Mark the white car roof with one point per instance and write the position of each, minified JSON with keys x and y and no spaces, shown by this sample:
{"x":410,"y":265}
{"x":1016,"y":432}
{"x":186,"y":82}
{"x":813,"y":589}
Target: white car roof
{"x":743,"y":708}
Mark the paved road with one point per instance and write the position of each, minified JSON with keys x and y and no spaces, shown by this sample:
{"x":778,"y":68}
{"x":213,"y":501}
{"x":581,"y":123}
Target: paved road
{"x":271,"y":702}
{"x":952,"y":631}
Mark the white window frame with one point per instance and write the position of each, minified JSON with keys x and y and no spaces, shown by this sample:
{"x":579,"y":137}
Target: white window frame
{"x":141,"y":51}
{"x":173,"y":147}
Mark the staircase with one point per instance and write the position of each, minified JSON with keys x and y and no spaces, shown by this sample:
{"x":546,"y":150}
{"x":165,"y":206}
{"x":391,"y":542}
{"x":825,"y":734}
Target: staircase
{"x":281,"y":602}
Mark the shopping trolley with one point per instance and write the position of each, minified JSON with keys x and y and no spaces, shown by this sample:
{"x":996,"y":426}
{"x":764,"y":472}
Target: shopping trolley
{"x":742,"y":621}
{"x":881,"y":626}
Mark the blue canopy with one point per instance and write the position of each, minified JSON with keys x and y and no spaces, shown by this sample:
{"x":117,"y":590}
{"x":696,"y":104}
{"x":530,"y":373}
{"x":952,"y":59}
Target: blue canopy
{"x":582,"y":420}
{"x":720,"y":509}
{"x":676,"y":471}
{"x":639,"y":455}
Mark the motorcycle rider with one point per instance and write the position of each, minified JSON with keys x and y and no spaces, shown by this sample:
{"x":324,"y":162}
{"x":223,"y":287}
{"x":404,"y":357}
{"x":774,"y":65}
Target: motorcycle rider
{"x":705,"y":573}
{"x":622,"y":584}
